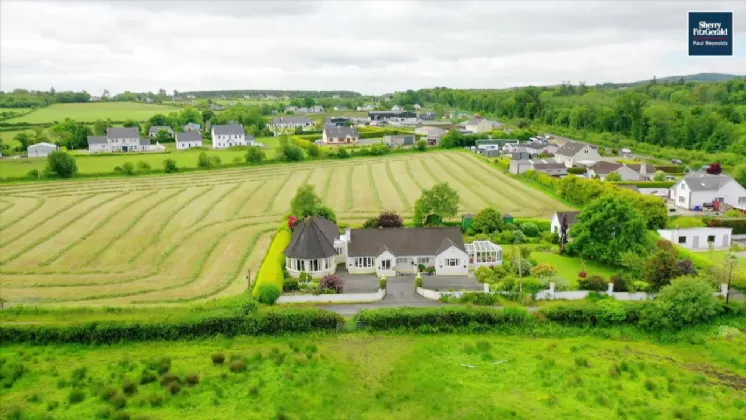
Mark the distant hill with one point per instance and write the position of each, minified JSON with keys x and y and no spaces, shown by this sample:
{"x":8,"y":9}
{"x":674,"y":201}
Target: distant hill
{"x":699,"y":77}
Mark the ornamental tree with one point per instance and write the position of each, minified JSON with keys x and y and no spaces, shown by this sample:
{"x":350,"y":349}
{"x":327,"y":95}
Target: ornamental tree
{"x":487,"y":221}
{"x":441,"y":201}
{"x":305,"y":200}
{"x":607,"y":227}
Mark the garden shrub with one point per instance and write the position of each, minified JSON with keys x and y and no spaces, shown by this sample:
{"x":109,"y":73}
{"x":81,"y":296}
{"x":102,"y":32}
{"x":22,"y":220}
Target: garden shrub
{"x":192,"y":379}
{"x":592,"y":313}
{"x":560,"y":283}
{"x":543,"y":270}
{"x":485,"y":274}
{"x":143,"y":166}
{"x":418,"y":282}
{"x":686,"y":301}
{"x":61,"y":164}
{"x":169,"y":166}
{"x":268,"y":294}
{"x":382,"y":283}
{"x":129,"y":387}
{"x":619,"y":281}
{"x":595,"y":282}
{"x":237,"y":366}
{"x":75,"y":396}
{"x":218,"y":358}
{"x":285,"y":320}
{"x":440,"y":319}
{"x":530,"y":230}
{"x":738,"y":225}
{"x":332,"y":283}
{"x":290,"y":284}
{"x":128,"y":168}
{"x":638,"y":286}
{"x":479,"y":299}
{"x":270,"y":271}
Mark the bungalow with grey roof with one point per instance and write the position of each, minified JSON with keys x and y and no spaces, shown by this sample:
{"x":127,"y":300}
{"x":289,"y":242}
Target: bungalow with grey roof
{"x":340,"y":135}
{"x":156,"y":128}
{"x":575,"y":153}
{"x":701,"y":190}
{"x":281,"y":125}
{"x":188,"y":139}
{"x":192,"y":127}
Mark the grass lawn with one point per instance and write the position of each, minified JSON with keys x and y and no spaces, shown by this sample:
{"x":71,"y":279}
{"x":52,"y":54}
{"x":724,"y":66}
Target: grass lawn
{"x":374,"y":376}
{"x":89,"y":112}
{"x":569,"y":267}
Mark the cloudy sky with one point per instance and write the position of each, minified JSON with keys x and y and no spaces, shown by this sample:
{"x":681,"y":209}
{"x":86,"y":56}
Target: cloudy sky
{"x":370,"y":47}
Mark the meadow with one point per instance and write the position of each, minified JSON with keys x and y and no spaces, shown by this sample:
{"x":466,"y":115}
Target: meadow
{"x":105,"y":163}
{"x":373,"y":376}
{"x":89,"y":112}
{"x":192,"y":237}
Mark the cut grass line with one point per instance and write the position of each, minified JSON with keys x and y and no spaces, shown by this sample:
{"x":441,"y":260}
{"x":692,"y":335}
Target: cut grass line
{"x":412,"y":177}
{"x":9,"y":205}
{"x":246,"y":200}
{"x":121,"y":234}
{"x":430,"y":172}
{"x":43,"y":285}
{"x":271,"y":202}
{"x":162,"y":227}
{"x":39,"y":202}
{"x":327,"y":184}
{"x":222,"y":197}
{"x":52,"y":234}
{"x":455,"y":174}
{"x":52,"y":216}
{"x":308,"y":177}
{"x":372,"y":185}
{"x":122,"y":207}
{"x":224,"y":284}
{"x":402,"y":196}
{"x":350,"y":201}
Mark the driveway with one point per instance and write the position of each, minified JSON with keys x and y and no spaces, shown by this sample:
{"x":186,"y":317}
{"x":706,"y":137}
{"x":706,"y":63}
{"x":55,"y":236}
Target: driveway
{"x":399,"y":292}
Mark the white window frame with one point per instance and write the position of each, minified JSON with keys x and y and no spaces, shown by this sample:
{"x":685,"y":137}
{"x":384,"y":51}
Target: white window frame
{"x":452,"y":262}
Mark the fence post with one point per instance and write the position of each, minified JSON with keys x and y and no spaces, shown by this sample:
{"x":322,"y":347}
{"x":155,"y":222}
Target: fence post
{"x":486,"y":288}
{"x":551,"y":291}
{"x":611,"y":289}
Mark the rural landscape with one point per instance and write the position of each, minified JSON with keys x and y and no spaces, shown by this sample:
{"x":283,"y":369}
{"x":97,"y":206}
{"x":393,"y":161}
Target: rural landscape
{"x":362,"y":241}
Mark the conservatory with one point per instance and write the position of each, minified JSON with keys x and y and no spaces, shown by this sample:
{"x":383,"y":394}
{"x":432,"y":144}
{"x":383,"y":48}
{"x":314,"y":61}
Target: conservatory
{"x":484,"y":253}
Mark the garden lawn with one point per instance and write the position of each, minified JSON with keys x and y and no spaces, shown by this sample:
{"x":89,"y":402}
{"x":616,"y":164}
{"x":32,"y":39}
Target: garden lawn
{"x":374,"y":376}
{"x":569,"y":267}
{"x":89,"y":112}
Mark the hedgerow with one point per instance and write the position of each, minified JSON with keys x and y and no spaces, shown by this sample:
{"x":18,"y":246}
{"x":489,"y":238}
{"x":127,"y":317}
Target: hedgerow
{"x":439,"y":319}
{"x":271,"y":270}
{"x":276,"y":321}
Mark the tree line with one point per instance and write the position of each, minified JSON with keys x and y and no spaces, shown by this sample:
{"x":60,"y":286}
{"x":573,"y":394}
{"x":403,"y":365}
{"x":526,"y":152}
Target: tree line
{"x":690,"y":115}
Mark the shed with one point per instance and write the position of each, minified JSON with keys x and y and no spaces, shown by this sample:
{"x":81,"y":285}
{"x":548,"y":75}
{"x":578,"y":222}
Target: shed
{"x":491,"y":153}
{"x":508,"y":218}
{"x":466,"y":221}
{"x":41,"y":149}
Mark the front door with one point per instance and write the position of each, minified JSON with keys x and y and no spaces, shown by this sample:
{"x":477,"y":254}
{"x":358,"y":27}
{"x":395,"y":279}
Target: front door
{"x":124,"y":148}
{"x":695,"y":242}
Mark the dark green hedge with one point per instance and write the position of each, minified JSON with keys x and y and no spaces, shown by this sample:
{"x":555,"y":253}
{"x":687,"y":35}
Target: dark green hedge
{"x":577,"y":171}
{"x":648,"y":184}
{"x":605,"y":312}
{"x":738,"y":225}
{"x":440,"y":318}
{"x":275,"y":321}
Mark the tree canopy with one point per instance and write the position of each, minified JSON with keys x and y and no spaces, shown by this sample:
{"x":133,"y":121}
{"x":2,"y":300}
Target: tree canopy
{"x":607,"y":227}
{"x":440,"y":201}
{"x":61,"y":164}
{"x":305,"y":200}
{"x":487,"y":221}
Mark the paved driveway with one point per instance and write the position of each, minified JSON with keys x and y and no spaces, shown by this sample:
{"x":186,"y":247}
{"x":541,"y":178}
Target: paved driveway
{"x":399,"y":292}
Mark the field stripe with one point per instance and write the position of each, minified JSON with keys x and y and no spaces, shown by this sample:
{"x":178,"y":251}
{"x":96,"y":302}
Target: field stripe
{"x":101,"y":249}
{"x":466,"y":203}
{"x":402,"y":196}
{"x":122,"y":207}
{"x":50,"y":234}
{"x":350,"y":203}
{"x":372,"y":185}
{"x":245,"y":200}
{"x":325,"y":192}
{"x":23,"y":213}
{"x":503,"y":203}
{"x":280,"y":189}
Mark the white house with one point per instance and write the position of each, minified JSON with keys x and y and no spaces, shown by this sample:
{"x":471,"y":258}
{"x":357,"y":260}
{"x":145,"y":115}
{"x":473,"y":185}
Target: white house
{"x":574,"y":153}
{"x":700,"y":190}
{"x":316,"y":109}
{"x":192,"y":127}
{"x":340,"y":135}
{"x":570,"y":216}
{"x":481,"y":125}
{"x":632,"y":172}
{"x":225,"y":136}
{"x":289,"y":109}
{"x":156,"y":128}
{"x":317,"y":247}
{"x":41,"y":149}
{"x":538,"y":165}
{"x":188,"y":139}
{"x":118,"y":139}
{"x":699,"y":238}
{"x":397,"y":108}
{"x":283,"y":124}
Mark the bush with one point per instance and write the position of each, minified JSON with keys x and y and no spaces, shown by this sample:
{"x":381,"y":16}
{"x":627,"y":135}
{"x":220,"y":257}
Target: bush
{"x":530,"y":230}
{"x":218,"y":358}
{"x":595,"y":283}
{"x":268,"y":294}
{"x":173,"y":388}
{"x":342,"y":153}
{"x":577,"y":171}
{"x":129,"y":387}
{"x":192,"y":379}
{"x":382,"y":283}
{"x":128,"y":168}
{"x":620,"y":282}
{"x":143,"y":166}
{"x":155,"y":400}
{"x":147,"y":377}
{"x":75,"y":396}
{"x":638,"y":286}
{"x":593,"y":313}
{"x":560,"y":283}
{"x":61,"y":164}
{"x":34,"y":173}
{"x":118,"y":401}
{"x":169,"y":166}
{"x":332,"y":283}
{"x":418,"y":282}
{"x":686,"y":301}
{"x":313,"y":150}
{"x":543,"y":270}
{"x":485,"y":274}
{"x":237,"y":366}
{"x":440,"y":319}
{"x":479,"y":299}
{"x":290,"y":284}
{"x":255,"y":155}
{"x":421,"y":145}
{"x":290,"y":153}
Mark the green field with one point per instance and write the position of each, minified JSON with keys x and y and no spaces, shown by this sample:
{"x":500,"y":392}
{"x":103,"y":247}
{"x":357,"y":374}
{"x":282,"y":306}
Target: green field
{"x":116,"y":111}
{"x":376,"y":376}
{"x":192,"y":237}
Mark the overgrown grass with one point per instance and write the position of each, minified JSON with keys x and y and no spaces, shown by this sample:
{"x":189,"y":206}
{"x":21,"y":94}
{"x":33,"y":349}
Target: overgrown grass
{"x":383,"y":376}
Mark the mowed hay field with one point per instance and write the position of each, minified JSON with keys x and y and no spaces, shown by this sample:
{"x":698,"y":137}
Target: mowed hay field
{"x":88,"y":112}
{"x":181,"y":238}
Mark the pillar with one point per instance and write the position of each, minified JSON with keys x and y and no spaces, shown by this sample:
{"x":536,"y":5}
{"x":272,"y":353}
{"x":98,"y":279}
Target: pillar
{"x":611,"y":289}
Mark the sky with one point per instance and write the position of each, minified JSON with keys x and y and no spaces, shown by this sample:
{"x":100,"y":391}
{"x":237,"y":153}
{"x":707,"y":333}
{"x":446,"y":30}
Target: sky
{"x":372,"y":47}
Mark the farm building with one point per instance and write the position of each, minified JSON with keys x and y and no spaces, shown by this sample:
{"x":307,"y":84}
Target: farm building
{"x":699,"y":238}
{"x":399,"y":140}
{"x":188,"y":139}
{"x":41,"y":149}
{"x":317,"y":247}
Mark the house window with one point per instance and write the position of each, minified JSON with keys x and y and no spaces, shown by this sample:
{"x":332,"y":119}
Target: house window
{"x":423,"y":260}
{"x":401,"y":261}
{"x":314,"y":265}
{"x":339,"y":250}
{"x":681,"y":199}
{"x":364,"y":262}
{"x":741,"y":200}
{"x":386,"y":265}
{"x":682,"y":239}
{"x":711,"y":239}
{"x":452,"y":262}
